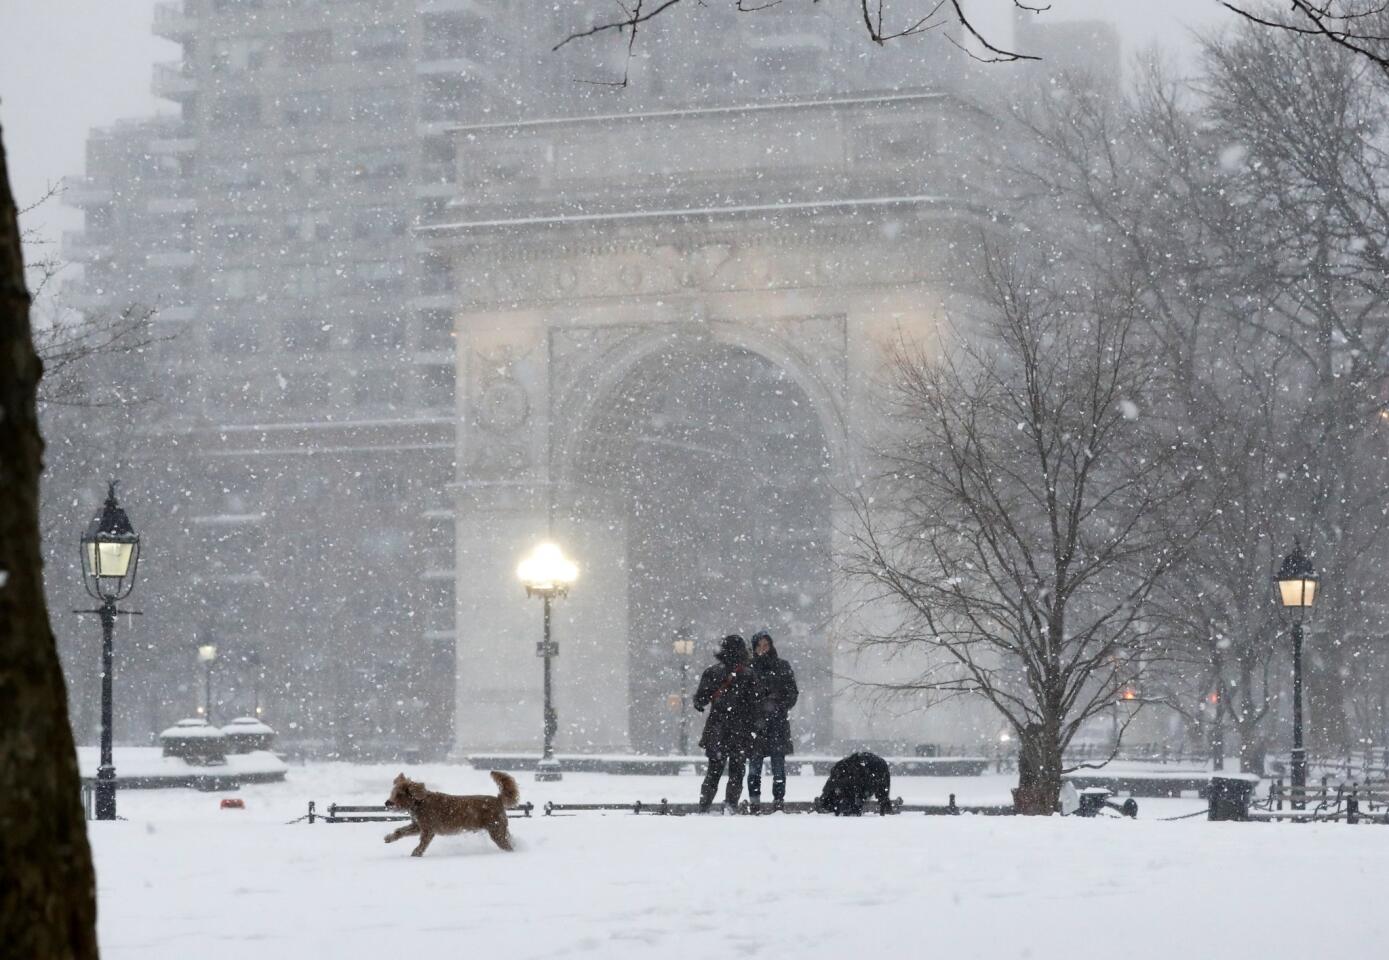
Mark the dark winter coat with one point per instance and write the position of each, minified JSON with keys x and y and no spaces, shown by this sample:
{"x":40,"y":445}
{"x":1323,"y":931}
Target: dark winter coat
{"x":729,"y":690}
{"x":852,"y":781}
{"x":777,"y":694}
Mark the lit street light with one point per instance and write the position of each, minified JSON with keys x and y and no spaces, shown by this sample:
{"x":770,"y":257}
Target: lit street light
{"x":110,"y":556}
{"x":1297,"y":591}
{"x":547,"y":574}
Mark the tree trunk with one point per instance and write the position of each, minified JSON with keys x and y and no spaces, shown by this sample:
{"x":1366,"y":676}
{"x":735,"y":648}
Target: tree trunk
{"x":1249,"y":720}
{"x":47,"y":886}
{"x":1039,"y":772}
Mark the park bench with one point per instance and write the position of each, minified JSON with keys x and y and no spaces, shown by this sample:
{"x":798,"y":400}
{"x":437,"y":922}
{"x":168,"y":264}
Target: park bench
{"x":1351,"y":802}
{"x":339,"y":813}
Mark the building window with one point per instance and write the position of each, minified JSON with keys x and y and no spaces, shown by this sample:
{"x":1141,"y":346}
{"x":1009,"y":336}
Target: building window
{"x":379,"y":41}
{"x":436,"y":330}
{"x":311,"y":280}
{"x":377,"y":332}
{"x":232,"y":335}
{"x":236,"y":173}
{"x":303,"y":389}
{"x":376,"y":164}
{"x":309,"y":170}
{"x":308,"y":47}
{"x":233,"y":233}
{"x":436,"y":389}
{"x":239,"y":55}
{"x":238,"y":111}
{"x":377,"y":389}
{"x":236,"y":283}
{"x":305,"y":334}
{"x":379,"y":223}
{"x":379,"y":276}
{"x":451,"y":35}
{"x":380,"y":105}
{"x":308,"y":225}
{"x":306,"y":108}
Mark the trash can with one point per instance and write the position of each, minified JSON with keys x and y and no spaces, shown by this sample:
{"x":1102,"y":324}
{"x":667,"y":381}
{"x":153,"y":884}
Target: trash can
{"x":1230,"y":797}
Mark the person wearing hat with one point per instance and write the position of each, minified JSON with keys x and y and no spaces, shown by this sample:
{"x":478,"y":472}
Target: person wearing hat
{"x":729,"y":690}
{"x":776,"y":695}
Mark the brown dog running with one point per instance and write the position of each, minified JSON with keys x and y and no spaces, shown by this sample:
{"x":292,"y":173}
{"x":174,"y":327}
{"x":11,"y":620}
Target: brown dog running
{"x":445,"y":813}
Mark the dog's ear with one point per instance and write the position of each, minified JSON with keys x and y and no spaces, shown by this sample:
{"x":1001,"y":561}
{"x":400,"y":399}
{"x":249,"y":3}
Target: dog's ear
{"x":400,"y":778}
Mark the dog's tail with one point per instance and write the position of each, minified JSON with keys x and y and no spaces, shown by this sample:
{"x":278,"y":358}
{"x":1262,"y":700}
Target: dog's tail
{"x":510,"y":793}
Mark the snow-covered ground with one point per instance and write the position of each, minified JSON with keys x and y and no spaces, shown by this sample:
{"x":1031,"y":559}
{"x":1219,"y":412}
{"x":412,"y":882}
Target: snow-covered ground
{"x":182,"y":878}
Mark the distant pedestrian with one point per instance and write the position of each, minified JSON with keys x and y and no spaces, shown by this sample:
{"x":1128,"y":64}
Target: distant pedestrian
{"x":776,"y":695}
{"x":729,"y":690}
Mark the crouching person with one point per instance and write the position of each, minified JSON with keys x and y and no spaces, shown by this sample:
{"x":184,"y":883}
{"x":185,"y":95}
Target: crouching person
{"x":729,"y":690}
{"x":852,"y":781}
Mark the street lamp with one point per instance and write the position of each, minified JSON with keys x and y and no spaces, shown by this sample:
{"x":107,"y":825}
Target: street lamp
{"x":207,"y":656}
{"x":684,"y":650}
{"x":547,"y":574}
{"x":1297,"y":591}
{"x":253,"y":659}
{"x":110,"y":556}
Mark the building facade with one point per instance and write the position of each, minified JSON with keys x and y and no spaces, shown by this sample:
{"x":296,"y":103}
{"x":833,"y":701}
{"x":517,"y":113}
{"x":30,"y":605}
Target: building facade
{"x":426,"y":291}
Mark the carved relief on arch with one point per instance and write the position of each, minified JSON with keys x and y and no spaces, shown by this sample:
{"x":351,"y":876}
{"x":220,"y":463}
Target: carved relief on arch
{"x":499,"y":408}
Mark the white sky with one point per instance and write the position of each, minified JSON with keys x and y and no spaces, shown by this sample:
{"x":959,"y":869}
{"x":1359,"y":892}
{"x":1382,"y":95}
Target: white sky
{"x":69,"y":65}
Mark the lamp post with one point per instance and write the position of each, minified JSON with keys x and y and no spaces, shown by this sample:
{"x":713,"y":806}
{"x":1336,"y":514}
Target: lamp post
{"x":1297,"y":591}
{"x":110,"y":556}
{"x":547,"y":574}
{"x":253,"y":659}
{"x":207,"y":656}
{"x":684,"y":650}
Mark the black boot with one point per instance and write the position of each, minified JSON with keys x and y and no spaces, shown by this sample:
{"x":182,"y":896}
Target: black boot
{"x":778,"y":796}
{"x":710,"y":786}
{"x":754,"y":804}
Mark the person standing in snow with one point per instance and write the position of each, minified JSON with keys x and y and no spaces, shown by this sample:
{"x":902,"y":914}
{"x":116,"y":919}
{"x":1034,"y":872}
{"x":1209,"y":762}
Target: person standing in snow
{"x":729,"y":690}
{"x":777,"y":694}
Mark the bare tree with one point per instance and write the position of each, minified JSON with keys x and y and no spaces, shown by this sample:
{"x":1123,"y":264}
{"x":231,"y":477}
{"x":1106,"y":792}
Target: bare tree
{"x":1015,"y":527}
{"x":69,"y":342}
{"x":47,"y":885}
{"x":1360,"y":26}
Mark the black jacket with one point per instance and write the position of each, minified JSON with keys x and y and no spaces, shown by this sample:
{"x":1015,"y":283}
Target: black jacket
{"x":729,"y":690}
{"x":777,"y":694}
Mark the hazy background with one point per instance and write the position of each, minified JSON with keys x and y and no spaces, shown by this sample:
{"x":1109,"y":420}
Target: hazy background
{"x":69,"y":65}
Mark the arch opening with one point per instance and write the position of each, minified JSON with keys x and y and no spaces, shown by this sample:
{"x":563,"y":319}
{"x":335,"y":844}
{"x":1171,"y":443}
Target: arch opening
{"x":715,"y":463}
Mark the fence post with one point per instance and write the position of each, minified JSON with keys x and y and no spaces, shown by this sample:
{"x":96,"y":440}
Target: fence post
{"x":1352,"y":806}
{"x":1278,"y":789}
{"x":311,"y":811}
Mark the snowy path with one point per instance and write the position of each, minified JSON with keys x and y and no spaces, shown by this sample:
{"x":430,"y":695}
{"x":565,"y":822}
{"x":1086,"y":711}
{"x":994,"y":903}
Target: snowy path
{"x":183,"y":879}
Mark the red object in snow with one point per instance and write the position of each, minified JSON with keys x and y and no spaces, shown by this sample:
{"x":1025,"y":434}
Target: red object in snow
{"x":233,"y":803}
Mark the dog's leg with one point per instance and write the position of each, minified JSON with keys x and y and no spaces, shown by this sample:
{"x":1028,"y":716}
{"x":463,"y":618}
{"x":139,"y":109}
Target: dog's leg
{"x":498,"y":832}
{"x":424,"y":842}
{"x":395,"y":835}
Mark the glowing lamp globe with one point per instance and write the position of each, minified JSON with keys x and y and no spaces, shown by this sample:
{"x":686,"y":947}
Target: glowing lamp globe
{"x":110,"y":551}
{"x":546,"y":571}
{"x":1297,"y":581}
